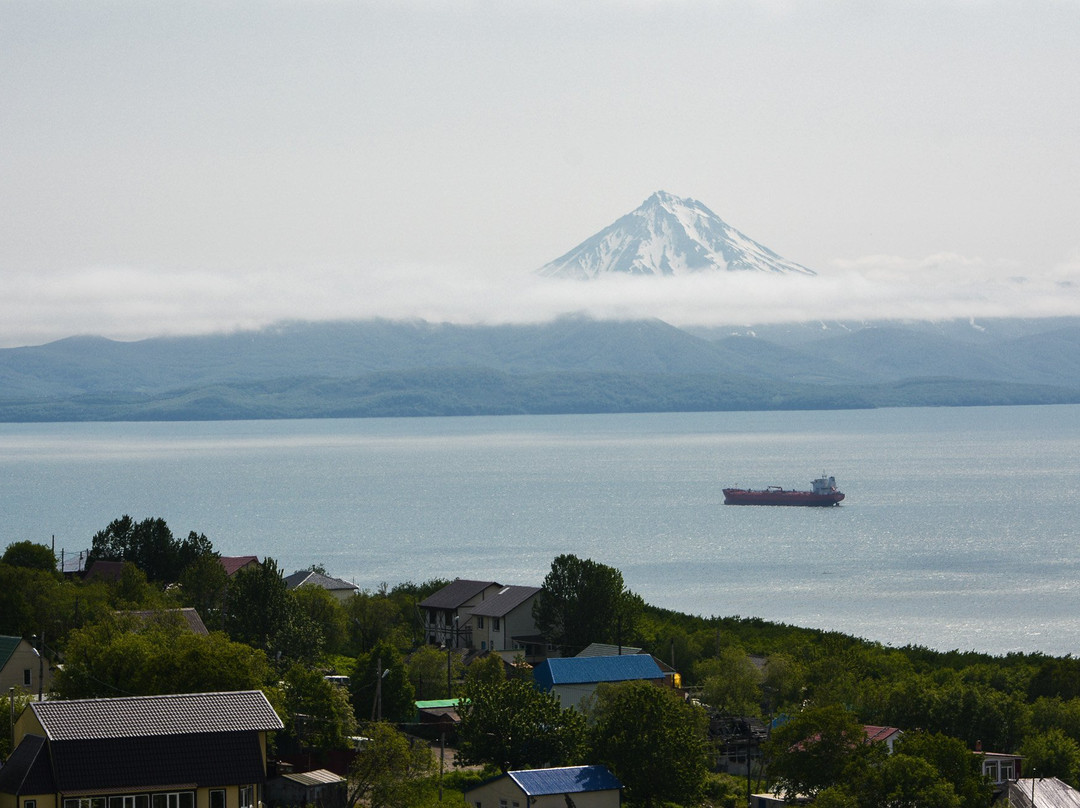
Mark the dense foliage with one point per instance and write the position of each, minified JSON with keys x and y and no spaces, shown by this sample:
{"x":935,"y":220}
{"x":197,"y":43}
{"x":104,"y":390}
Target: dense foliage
{"x":814,"y":684}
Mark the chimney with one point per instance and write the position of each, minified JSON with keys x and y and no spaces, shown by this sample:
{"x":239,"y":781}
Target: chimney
{"x":978,"y":746}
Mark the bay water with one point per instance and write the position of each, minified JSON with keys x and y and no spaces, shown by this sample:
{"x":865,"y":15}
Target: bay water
{"x":960,"y":528}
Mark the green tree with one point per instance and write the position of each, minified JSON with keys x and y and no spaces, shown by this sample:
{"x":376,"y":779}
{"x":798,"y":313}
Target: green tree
{"x":510,"y":724}
{"x":876,"y":779}
{"x":731,"y":682}
{"x":203,"y":586}
{"x":390,"y":769}
{"x":953,"y":762}
{"x":583,"y":601}
{"x":652,"y":740}
{"x":132,"y":656}
{"x":263,"y":613}
{"x":380,"y":680}
{"x":29,"y":555}
{"x":319,"y":713}
{"x":427,"y":667}
{"x":808,"y":753}
{"x":1052,"y":753}
{"x":324,"y":611}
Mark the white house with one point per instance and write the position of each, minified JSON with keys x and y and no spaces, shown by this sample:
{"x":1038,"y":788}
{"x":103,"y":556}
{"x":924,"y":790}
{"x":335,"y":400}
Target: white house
{"x":580,"y":786}
{"x":501,"y":621}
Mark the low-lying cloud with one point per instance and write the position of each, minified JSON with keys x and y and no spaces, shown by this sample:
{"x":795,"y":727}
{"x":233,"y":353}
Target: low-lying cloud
{"x":128,"y":303}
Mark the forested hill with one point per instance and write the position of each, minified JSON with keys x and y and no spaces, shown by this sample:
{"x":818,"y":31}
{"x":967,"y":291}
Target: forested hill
{"x":384,"y":368}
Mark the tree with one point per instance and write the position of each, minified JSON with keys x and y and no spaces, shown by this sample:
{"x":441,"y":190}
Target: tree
{"x":1052,"y":753}
{"x":203,"y":585}
{"x":953,"y":762}
{"x":133,"y":656}
{"x":510,"y":724}
{"x":29,"y":555}
{"x":652,"y":740}
{"x":583,"y":601}
{"x":380,"y":684}
{"x":390,"y":769}
{"x":877,"y":779}
{"x":325,"y":611}
{"x":808,"y":753}
{"x":319,"y":713}
{"x":262,"y":613}
{"x":731,"y":682}
{"x":427,"y":671}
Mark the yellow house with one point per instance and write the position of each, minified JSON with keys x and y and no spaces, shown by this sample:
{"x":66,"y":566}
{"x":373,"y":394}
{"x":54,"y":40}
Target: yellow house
{"x":22,"y":666}
{"x":191,"y":750}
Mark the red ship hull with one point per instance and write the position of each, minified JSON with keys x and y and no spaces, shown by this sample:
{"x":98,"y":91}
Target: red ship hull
{"x":778,"y":496}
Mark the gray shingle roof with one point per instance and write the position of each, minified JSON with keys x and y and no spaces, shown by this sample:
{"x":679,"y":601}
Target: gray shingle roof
{"x":505,"y":601}
{"x":142,"y":716}
{"x":310,"y":578}
{"x":455,"y":593}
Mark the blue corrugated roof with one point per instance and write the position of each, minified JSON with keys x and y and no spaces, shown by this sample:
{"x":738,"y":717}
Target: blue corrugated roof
{"x":587,"y":670}
{"x":566,"y":780}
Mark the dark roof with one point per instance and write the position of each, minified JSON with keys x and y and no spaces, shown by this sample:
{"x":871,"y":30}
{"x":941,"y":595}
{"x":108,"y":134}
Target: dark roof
{"x":309,"y":578}
{"x":565,"y":780}
{"x":455,"y":593}
{"x":233,"y":564}
{"x":144,"y":716}
{"x":189,"y":615}
{"x":590,"y":670}
{"x":607,"y":649}
{"x":7,"y":648}
{"x":504,"y":601}
{"x":27,"y":769}
{"x":105,"y":571}
{"x":200,"y":759}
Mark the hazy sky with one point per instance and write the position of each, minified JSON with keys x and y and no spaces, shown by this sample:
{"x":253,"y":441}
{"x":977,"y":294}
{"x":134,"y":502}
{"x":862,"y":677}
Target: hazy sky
{"x":168,"y":167}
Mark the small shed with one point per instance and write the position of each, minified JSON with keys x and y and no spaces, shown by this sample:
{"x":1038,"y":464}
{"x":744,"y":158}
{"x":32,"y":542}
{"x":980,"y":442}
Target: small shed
{"x":320,"y":787}
{"x":574,"y":679}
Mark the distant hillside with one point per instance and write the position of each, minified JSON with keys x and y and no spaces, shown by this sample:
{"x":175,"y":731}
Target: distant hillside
{"x":382,"y":368}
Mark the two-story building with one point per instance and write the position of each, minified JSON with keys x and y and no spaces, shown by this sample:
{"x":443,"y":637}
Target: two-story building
{"x":504,"y":621}
{"x":193,"y":750}
{"x":448,"y":612}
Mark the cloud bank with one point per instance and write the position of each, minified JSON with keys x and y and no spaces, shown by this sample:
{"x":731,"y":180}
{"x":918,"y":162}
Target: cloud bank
{"x":128,"y":303}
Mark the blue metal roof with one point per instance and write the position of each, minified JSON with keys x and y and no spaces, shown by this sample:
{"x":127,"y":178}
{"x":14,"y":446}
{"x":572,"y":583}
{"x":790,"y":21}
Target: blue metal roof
{"x":592,"y":670}
{"x":566,"y":780}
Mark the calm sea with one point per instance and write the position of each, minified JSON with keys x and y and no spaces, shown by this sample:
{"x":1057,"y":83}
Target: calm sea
{"x":960,"y":528}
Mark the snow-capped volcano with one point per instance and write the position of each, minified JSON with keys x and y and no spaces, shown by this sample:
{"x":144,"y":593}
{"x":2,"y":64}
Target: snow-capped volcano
{"x":668,"y":235}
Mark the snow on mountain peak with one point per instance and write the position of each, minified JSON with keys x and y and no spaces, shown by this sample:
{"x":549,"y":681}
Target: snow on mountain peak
{"x":668,"y":235}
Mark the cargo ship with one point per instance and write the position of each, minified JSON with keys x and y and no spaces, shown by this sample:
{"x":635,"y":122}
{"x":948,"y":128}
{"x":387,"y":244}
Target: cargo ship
{"x":823,"y":492}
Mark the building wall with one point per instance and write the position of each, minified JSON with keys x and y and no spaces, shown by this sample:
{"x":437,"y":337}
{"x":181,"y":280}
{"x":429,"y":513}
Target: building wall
{"x":25,"y":658}
{"x":490,"y":794}
{"x":574,"y":695}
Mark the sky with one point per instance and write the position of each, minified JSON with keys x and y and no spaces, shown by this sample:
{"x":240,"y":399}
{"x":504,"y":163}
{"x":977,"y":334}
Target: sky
{"x":188,"y":167}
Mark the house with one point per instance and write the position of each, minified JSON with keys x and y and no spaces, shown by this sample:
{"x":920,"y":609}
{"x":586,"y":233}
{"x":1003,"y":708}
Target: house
{"x":886,"y":735}
{"x":504,"y":621}
{"x":999,"y":767}
{"x":672,"y":676}
{"x":320,"y":788}
{"x":22,"y":666}
{"x":442,"y":712}
{"x":109,"y":572}
{"x":192,"y":750}
{"x":341,"y":590}
{"x":233,"y":564}
{"x":575,"y":679}
{"x":186,"y":617}
{"x":580,"y":786}
{"x":448,"y":612}
{"x":1045,"y":793}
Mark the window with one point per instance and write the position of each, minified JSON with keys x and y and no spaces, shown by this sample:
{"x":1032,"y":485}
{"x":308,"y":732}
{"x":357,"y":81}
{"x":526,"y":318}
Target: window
{"x":85,"y":802}
{"x":502,"y":803}
{"x":217,"y":798}
{"x":26,"y":677}
{"x":990,"y":770}
{"x":494,"y":624}
{"x":247,"y":796}
{"x":29,"y":803}
{"x":1007,"y":770}
{"x":479,"y":621}
{"x":130,"y":801}
{"x":174,"y":799}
